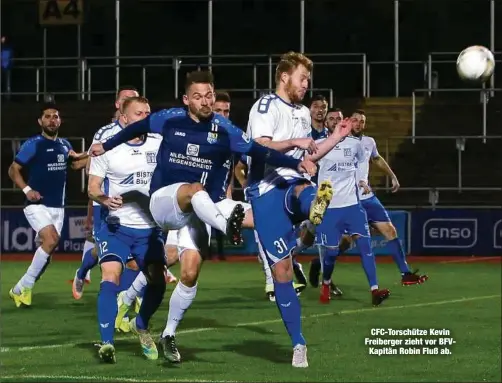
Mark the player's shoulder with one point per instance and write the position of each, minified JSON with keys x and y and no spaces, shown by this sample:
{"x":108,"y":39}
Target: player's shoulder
{"x":171,"y":114}
{"x":64,"y":141}
{"x":33,"y":140}
{"x":107,"y":131}
{"x":266,"y":103}
{"x":368,"y":139}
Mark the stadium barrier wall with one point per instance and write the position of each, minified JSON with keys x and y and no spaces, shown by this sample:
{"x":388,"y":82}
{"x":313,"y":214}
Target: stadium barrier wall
{"x":422,"y":232}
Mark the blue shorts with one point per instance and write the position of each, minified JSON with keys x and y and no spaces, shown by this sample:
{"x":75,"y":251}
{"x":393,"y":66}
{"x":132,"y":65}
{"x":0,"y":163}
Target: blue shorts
{"x":120,"y":243}
{"x":274,"y":223}
{"x":375,"y":210}
{"x":342,"y":220}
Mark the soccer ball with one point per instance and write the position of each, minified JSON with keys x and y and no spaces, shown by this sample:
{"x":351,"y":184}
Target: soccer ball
{"x":475,"y":63}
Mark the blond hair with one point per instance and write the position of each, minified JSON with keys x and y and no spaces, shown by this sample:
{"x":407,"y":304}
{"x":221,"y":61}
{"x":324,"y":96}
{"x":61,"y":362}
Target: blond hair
{"x":129,"y":100}
{"x":289,"y":62}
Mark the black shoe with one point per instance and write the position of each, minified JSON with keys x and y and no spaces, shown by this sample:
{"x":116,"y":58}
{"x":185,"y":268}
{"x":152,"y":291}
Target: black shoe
{"x":168,"y":346}
{"x":335,"y":291}
{"x":314,"y":272}
{"x":234,"y":225}
{"x":300,"y":277}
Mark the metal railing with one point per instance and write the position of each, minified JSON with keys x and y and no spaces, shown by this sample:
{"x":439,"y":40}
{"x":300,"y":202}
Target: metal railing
{"x":84,"y":68}
{"x":483,"y":99}
{"x":460,"y":143}
{"x":15,"y":144}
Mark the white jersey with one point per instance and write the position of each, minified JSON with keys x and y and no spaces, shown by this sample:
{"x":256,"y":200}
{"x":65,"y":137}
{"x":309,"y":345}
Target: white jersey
{"x":339,"y":167}
{"x":363,"y":167}
{"x":273,"y":117}
{"x":128,"y":170}
{"x":103,"y":134}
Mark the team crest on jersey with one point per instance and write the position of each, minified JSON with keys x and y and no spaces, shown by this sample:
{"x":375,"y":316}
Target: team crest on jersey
{"x":151,"y":157}
{"x":347,"y":152}
{"x":305,"y":123}
{"x":212,"y":137}
{"x":245,"y":137}
{"x":193,"y":150}
{"x":61,"y":158}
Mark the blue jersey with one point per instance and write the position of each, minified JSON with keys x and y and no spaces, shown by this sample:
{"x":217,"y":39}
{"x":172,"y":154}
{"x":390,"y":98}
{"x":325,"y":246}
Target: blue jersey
{"x":317,"y":135}
{"x":193,"y":151}
{"x":46,"y":161}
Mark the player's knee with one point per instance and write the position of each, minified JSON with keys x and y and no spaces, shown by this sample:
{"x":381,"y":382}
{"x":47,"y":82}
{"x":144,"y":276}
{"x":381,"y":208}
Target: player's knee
{"x":388,"y":231}
{"x":345,"y":243}
{"x":111,"y":271}
{"x":50,"y":240}
{"x":154,"y":274}
{"x":132,"y":265}
{"x":171,"y":253}
{"x":283,"y":270}
{"x":189,"y":276}
{"x":194,"y":188}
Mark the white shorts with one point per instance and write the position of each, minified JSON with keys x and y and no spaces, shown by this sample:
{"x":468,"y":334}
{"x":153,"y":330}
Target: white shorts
{"x":40,"y":216}
{"x":172,"y":238}
{"x":196,"y":235}
{"x":165,"y":209}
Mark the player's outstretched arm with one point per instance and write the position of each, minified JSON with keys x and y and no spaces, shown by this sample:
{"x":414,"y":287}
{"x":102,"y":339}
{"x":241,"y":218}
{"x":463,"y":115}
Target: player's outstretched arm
{"x":341,"y":131}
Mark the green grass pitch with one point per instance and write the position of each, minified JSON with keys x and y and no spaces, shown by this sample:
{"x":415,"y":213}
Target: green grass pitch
{"x":232,"y":333}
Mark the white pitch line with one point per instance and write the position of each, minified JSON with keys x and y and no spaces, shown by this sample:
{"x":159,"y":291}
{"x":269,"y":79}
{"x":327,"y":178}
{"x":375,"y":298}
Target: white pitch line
{"x":111,"y":379}
{"x":472,"y":259}
{"x":270,"y":321}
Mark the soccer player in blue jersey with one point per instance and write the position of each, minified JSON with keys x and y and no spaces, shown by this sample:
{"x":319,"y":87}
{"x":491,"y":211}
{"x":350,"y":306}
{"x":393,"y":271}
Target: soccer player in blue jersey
{"x":189,"y":179}
{"x":318,"y":110}
{"x":281,"y":123}
{"x":45,"y":157}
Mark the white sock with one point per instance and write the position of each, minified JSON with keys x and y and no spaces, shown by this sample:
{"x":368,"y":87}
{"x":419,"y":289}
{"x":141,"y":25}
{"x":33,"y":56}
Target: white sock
{"x":181,"y":299}
{"x":37,"y":264}
{"x":266,"y":268}
{"x":207,"y":211}
{"x":88,"y":245}
{"x":137,"y":286}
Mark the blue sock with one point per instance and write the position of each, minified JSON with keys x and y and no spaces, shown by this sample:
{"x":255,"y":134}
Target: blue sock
{"x":290,"y":309}
{"x":367,"y":259}
{"x":127,"y":278}
{"x":107,"y":310}
{"x":305,"y":199}
{"x":88,"y":262}
{"x":398,"y":255}
{"x":329,"y":263}
{"x":154,"y":294}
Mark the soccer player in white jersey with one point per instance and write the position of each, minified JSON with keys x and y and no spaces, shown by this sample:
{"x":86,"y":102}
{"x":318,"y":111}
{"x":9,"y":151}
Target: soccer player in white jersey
{"x":128,"y":230}
{"x":281,"y":123}
{"x":345,"y":214}
{"x":95,"y":214}
{"x":46,"y":158}
{"x":378,"y":217}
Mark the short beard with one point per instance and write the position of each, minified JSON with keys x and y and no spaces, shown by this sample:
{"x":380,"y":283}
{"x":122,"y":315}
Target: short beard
{"x":202,"y":117}
{"x":292,"y":95}
{"x":355,"y":134}
{"x":50,"y":133}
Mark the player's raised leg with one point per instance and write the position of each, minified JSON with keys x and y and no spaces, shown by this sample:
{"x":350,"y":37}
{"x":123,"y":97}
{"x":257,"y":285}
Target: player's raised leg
{"x":173,"y":205}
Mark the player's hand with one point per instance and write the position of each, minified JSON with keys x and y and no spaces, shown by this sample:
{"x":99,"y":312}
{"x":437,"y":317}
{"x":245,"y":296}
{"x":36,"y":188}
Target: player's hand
{"x":344,"y":127}
{"x":96,"y":150}
{"x":33,"y":196}
{"x":76,"y":156}
{"x":395,"y":185}
{"x":307,"y":144}
{"x":307,"y":166}
{"x":366,"y":189}
{"x":113,"y":203}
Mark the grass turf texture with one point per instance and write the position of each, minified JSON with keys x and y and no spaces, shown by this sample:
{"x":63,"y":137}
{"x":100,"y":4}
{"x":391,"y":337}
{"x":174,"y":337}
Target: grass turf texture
{"x":232,"y":333}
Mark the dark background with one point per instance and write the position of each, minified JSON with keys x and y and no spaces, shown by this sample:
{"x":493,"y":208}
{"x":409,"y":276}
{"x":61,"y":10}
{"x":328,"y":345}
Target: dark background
{"x":255,"y":27}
